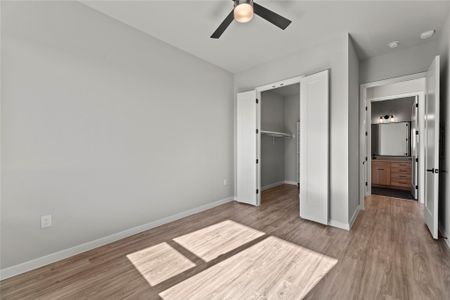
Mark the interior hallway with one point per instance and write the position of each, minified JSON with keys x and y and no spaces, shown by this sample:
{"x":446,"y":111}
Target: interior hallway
{"x":388,"y":254}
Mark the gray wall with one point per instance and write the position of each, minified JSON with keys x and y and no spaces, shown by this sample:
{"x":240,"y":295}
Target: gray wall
{"x":272,"y":154}
{"x":444,"y":182}
{"x":399,"y":62}
{"x":291,"y":117}
{"x":329,"y":55}
{"x":103,"y":127}
{"x":353,"y":130}
{"x":400,"y":108}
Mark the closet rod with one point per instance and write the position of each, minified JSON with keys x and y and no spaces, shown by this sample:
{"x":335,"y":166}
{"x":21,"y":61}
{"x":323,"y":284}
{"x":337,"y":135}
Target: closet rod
{"x":276,"y":134}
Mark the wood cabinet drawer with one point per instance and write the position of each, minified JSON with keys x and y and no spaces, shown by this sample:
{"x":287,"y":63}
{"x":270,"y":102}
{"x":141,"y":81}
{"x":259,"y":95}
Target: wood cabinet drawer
{"x":400,"y":170}
{"x":400,"y":183}
{"x":400,"y":176}
{"x":402,"y":164}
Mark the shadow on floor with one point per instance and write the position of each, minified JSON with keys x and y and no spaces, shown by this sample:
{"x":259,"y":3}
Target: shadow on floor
{"x":393,"y":193}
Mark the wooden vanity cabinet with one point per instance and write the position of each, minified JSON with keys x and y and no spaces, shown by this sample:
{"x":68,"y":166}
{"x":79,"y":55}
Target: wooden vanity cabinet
{"x":381,"y":173}
{"x":395,"y":174}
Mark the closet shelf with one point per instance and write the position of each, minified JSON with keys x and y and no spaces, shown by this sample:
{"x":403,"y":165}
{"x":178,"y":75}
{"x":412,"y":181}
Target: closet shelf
{"x":276,"y":134}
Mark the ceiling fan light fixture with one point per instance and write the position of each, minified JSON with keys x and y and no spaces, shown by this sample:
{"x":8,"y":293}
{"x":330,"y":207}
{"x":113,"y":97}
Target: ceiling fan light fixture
{"x":243,"y":11}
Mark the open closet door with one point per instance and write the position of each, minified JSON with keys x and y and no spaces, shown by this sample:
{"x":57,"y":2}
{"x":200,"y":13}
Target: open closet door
{"x":314,"y":147}
{"x":432,"y":148}
{"x":246,"y":189}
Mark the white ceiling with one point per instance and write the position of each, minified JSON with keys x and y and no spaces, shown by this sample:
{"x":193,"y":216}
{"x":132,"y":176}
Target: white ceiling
{"x":188,"y":24}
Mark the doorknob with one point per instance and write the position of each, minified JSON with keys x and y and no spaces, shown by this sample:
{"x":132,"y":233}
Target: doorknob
{"x":433,"y":170}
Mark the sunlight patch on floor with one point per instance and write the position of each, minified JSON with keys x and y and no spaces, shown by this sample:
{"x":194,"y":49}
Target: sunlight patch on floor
{"x":159,"y":263}
{"x":212,"y":241}
{"x":270,"y":269}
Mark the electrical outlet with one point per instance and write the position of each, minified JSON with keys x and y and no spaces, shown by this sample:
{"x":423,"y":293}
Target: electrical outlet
{"x":225,"y":182}
{"x":46,"y":221}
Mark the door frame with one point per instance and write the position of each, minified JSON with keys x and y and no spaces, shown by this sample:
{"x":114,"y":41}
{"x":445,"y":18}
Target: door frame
{"x":259,"y":90}
{"x":366,"y":139}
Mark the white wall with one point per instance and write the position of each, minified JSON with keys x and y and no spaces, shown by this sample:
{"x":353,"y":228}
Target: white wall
{"x":444,"y":182}
{"x":272,"y":150}
{"x":399,"y":62}
{"x":330,"y":55}
{"x":103,"y":127}
{"x":401,"y":109}
{"x":291,"y":117}
{"x":353,"y":130}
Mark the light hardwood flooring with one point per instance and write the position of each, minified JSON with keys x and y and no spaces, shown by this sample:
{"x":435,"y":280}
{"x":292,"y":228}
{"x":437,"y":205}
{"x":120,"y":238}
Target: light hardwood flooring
{"x":218,"y":239}
{"x":388,"y":254}
{"x":270,"y":269}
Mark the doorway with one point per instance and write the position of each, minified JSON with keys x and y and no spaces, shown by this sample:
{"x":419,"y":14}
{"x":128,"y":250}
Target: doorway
{"x":312,"y":154}
{"x":395,"y":147}
{"x":425,"y":87}
{"x":280,"y":143}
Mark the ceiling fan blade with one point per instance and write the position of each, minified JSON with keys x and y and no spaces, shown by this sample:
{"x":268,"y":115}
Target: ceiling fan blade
{"x":223,"y":26}
{"x":271,"y":16}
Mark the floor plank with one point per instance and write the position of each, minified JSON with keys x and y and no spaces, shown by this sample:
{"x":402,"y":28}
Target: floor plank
{"x":388,"y":254}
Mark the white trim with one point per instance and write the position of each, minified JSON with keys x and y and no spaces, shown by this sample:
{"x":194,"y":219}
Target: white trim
{"x":394,"y":80}
{"x":447,"y":241}
{"x":63,"y":254}
{"x":290,"y":182}
{"x":393,"y":97}
{"x":445,"y":235}
{"x":355,"y":215}
{"x":278,"y":84}
{"x":339,"y":224}
{"x":272,"y":185}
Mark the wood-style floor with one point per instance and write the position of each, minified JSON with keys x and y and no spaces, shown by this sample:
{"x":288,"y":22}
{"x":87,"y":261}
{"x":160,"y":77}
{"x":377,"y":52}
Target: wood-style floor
{"x":388,"y":254}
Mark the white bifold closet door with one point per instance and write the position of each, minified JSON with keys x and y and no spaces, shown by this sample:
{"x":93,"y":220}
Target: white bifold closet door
{"x":314,"y":147}
{"x":246,"y":175}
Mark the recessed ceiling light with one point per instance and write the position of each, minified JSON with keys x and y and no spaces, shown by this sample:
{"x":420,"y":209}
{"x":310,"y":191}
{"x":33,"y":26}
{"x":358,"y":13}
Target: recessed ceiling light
{"x":427,"y":34}
{"x":393,"y":44}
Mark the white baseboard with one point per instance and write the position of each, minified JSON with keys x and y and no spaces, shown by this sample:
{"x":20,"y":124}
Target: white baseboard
{"x":272,"y":185}
{"x":345,"y":226}
{"x":339,"y":224}
{"x":444,"y":234}
{"x":290,"y":182}
{"x":60,"y":255}
{"x":355,"y":215}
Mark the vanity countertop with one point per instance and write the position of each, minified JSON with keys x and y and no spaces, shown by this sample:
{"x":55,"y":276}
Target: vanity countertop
{"x":391,"y":158}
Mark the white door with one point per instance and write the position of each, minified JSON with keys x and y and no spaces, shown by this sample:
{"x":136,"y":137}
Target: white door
{"x":246,"y":175}
{"x":314,"y":147}
{"x":432,"y":147}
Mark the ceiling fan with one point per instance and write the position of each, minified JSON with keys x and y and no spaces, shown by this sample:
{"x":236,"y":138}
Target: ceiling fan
{"x":243,"y":12}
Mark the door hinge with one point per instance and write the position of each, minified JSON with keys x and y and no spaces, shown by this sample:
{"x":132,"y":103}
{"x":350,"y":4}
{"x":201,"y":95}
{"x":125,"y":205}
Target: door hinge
{"x":366,"y":108}
{"x":367,"y":183}
{"x":417,"y":187}
{"x":257,"y":131}
{"x":257,"y":191}
{"x":366,"y":133}
{"x":417,"y":104}
{"x":417,"y":132}
{"x":366,"y":158}
{"x":417,"y":160}
{"x":257,"y":160}
{"x":257,"y":101}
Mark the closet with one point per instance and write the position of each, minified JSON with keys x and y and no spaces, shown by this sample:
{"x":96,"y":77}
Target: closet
{"x":274,"y":148}
{"x":280,"y":116}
